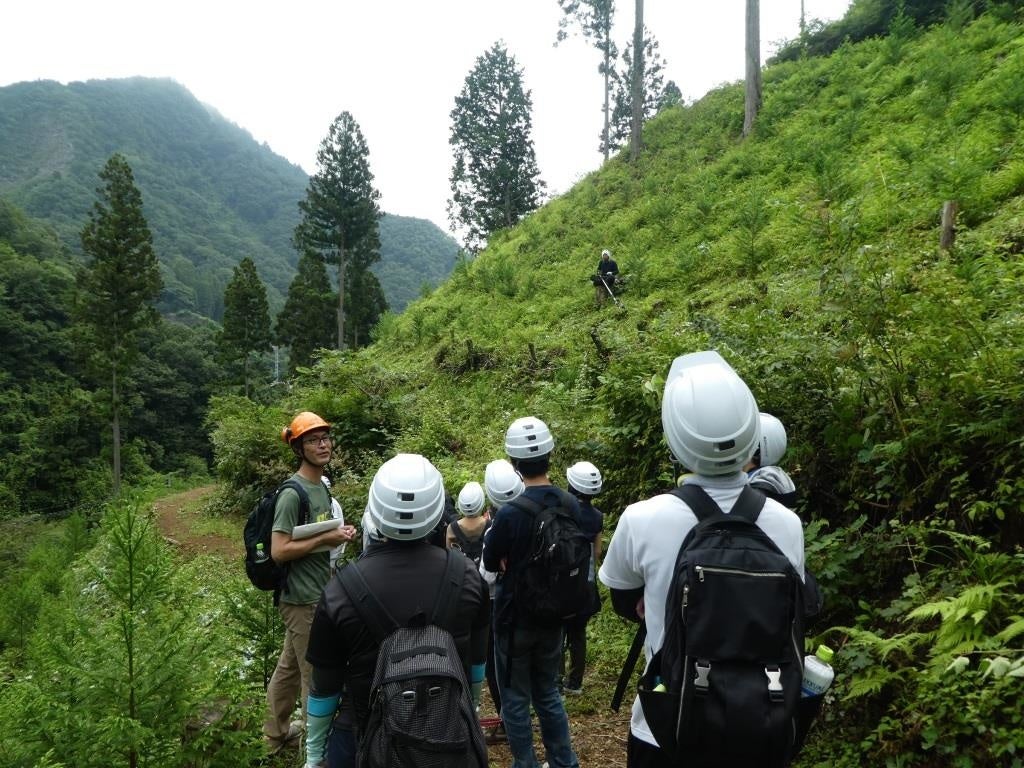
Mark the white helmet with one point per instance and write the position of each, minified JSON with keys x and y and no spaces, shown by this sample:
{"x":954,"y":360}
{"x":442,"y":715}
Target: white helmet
{"x":584,"y":477}
{"x":607,"y":253}
{"x":502,"y":483}
{"x":471,"y":499}
{"x":773,"y":440}
{"x":528,"y":438}
{"x":709,"y":416}
{"x":406,"y":497}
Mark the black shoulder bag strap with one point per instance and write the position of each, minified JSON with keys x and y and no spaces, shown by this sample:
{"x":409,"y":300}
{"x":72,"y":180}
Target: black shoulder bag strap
{"x":304,"y":506}
{"x":748,"y":505}
{"x":527,"y":505}
{"x":458,"y":533}
{"x":379,"y":620}
{"x":630,"y":664}
{"x":302,"y":519}
{"x":446,"y":608}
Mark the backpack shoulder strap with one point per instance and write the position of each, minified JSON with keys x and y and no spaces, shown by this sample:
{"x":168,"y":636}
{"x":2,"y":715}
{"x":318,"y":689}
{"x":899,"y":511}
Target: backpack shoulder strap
{"x":376,"y":617}
{"x":459,"y":534}
{"x":533,"y":507}
{"x":525,"y":504}
{"x":748,"y":505}
{"x":303,"y":499}
{"x":446,"y":606}
{"x":629,"y":665}
{"x":697,"y":499}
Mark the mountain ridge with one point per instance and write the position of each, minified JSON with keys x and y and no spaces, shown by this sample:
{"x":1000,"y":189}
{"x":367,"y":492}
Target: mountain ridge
{"x":211,"y":193}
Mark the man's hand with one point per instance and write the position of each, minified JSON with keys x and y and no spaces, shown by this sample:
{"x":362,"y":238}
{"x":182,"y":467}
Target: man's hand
{"x":338,"y":535}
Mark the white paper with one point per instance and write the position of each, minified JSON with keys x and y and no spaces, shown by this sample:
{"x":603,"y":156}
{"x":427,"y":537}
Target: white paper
{"x":312,"y":529}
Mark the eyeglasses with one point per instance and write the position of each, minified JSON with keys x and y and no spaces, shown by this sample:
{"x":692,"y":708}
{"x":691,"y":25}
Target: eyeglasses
{"x":318,"y":440}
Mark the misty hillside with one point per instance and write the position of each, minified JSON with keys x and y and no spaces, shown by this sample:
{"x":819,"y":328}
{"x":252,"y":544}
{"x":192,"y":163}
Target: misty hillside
{"x":212,"y":194}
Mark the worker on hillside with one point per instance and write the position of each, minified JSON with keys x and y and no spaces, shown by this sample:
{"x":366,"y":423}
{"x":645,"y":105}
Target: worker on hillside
{"x":605,"y":278}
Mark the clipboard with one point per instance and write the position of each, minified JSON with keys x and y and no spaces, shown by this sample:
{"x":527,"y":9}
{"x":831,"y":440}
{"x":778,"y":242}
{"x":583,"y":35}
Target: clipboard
{"x":312,"y":529}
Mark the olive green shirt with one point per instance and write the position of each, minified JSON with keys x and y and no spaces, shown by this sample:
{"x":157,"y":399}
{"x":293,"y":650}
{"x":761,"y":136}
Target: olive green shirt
{"x":307,"y":575}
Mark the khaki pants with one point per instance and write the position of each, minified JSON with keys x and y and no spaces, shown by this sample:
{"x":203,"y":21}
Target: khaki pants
{"x":291,"y":677}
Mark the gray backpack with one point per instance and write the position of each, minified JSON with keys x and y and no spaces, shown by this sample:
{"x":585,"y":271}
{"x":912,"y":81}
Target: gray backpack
{"x":421,"y":712}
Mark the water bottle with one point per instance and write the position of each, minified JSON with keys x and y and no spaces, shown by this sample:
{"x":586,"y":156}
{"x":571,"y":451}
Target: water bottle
{"x":261,"y":556}
{"x":818,"y":672}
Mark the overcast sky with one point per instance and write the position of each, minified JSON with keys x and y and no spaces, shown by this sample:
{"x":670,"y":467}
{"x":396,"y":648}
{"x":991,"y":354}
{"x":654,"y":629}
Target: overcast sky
{"x":284,"y":70}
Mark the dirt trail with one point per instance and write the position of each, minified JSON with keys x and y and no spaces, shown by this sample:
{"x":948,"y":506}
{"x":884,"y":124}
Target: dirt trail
{"x":177,"y":515}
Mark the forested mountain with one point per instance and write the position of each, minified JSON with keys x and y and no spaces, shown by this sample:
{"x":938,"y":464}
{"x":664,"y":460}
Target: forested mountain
{"x":212,"y":194}
{"x":812,"y":255}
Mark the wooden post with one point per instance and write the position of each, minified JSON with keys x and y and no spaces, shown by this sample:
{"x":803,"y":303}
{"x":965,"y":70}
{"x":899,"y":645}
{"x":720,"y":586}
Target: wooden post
{"x":948,"y":236}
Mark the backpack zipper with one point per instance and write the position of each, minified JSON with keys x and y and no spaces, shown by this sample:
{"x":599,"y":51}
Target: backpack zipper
{"x":702,"y":569}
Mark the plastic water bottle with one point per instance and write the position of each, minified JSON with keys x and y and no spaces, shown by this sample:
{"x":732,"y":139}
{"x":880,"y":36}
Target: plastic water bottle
{"x":261,"y":556}
{"x":818,"y":672}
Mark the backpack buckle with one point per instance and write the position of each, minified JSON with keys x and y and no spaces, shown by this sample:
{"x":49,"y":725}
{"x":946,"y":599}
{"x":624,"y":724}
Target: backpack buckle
{"x":774,"y":682}
{"x":702,"y":680}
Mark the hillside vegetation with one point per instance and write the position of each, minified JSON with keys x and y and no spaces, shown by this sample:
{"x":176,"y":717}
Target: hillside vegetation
{"x":808,"y":255}
{"x":212,"y":194}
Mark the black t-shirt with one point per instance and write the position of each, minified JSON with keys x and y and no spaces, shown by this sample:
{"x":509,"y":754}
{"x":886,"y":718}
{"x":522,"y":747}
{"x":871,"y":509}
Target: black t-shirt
{"x":405,"y":578}
{"x":604,"y":267}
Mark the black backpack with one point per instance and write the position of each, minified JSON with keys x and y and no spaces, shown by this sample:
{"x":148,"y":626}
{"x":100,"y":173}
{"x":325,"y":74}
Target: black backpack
{"x":259,"y":528}
{"x":421,"y":712}
{"x":732,"y":659}
{"x":553,"y":585}
{"x":471,"y":548}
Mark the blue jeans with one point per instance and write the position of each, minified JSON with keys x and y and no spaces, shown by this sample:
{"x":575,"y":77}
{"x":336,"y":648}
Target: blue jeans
{"x":341,"y":747}
{"x":536,"y":660}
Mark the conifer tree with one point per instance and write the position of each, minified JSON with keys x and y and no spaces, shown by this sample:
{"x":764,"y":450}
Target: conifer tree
{"x":307,"y":321}
{"x":340,"y":213}
{"x":245,"y":332}
{"x":124,"y":661}
{"x":120,"y":283}
{"x":495,"y":180}
{"x":656,"y":93}
{"x":595,"y":18}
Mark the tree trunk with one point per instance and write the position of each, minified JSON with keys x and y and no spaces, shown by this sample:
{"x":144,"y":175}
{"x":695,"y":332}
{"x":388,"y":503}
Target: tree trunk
{"x":752,"y":100}
{"x":116,"y":433}
{"x":607,"y":88}
{"x":245,"y":371}
{"x":341,"y":296}
{"x":637,"y":86}
{"x":948,"y":236}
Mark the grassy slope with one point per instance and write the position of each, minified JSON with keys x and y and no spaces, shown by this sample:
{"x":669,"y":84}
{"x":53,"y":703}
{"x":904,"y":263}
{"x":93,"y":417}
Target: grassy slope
{"x":776,"y":250}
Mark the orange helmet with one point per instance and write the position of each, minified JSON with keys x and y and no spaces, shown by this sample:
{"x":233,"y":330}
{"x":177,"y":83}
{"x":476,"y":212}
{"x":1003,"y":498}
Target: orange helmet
{"x":301,"y":424}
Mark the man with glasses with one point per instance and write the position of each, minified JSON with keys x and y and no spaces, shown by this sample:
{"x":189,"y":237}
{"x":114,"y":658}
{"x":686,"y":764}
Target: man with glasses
{"x":309,"y":568}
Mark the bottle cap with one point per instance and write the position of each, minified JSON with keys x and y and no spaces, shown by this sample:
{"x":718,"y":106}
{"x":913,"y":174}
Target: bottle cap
{"x":825,"y":653}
